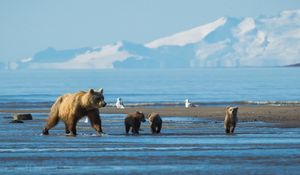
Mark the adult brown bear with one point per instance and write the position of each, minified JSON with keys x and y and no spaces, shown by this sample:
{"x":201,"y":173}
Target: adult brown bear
{"x":70,"y":108}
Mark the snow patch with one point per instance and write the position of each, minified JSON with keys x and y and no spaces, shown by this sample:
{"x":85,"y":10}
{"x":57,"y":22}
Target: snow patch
{"x":187,"y":37}
{"x":245,"y":26}
{"x":26,"y":60}
{"x":102,"y":59}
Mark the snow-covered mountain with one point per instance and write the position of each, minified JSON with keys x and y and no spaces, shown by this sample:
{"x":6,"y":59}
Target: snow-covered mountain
{"x":226,"y":42}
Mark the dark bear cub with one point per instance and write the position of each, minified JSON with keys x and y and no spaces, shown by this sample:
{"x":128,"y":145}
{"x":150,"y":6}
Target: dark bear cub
{"x":133,"y":121}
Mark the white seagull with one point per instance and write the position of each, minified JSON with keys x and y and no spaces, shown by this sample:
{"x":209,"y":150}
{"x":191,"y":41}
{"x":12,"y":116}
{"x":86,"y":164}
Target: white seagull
{"x":188,"y":104}
{"x":119,"y":103}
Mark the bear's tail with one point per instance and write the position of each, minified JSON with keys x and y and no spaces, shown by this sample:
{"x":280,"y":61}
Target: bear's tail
{"x":55,"y":107}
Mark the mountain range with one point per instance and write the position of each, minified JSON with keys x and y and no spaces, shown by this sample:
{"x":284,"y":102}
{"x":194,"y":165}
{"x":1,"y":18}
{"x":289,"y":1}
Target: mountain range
{"x":225,"y":42}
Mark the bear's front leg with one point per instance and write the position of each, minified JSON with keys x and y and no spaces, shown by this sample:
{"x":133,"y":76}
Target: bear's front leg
{"x":227,"y":130}
{"x":136,"y":128}
{"x":95,"y":121}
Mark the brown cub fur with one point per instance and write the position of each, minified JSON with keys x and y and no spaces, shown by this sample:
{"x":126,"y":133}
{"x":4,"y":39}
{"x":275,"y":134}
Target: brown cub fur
{"x":70,"y":108}
{"x":133,"y":121}
{"x":230,"y":119}
{"x":155,"y":123}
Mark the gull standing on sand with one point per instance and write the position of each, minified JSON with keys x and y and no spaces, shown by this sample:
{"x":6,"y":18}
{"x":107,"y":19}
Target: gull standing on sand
{"x":188,"y":104}
{"x":119,"y":104}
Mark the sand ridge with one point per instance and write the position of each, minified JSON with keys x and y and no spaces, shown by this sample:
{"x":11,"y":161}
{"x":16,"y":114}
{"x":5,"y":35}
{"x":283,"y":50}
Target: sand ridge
{"x":286,"y":116}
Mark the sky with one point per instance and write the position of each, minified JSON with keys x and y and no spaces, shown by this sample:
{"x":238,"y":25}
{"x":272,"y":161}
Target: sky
{"x":29,"y":26}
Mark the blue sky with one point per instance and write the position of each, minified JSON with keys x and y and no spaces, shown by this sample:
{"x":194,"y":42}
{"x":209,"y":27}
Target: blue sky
{"x":29,"y":26}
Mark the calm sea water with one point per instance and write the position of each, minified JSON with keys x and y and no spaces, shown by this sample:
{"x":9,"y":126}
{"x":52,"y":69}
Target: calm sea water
{"x":187,"y":145}
{"x":274,"y":86}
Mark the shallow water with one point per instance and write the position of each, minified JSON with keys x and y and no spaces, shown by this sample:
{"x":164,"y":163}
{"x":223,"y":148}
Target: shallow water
{"x":187,"y":145}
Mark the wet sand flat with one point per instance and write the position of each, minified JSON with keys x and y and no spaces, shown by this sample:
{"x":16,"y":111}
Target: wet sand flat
{"x":285,"y":116}
{"x":188,"y":144}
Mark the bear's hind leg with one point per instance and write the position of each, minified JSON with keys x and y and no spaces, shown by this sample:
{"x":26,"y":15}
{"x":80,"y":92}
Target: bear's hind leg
{"x":153,"y":129}
{"x":232,"y":129}
{"x":52,"y":121}
{"x":71,"y":125}
{"x":67,"y":129}
{"x":158,"y":128}
{"x":135,"y":130}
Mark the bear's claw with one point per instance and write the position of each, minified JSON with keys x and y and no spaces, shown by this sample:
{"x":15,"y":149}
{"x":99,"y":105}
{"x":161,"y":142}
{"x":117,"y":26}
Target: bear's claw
{"x":45,"y":132}
{"x":70,"y":134}
{"x":100,"y":134}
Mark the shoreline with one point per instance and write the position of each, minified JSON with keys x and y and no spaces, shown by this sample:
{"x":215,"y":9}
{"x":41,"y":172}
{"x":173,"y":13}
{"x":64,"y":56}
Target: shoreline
{"x":283,"y":116}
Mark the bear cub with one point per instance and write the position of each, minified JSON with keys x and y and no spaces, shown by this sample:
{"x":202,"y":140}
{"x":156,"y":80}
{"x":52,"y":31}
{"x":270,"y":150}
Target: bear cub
{"x":230,"y":119}
{"x":133,"y":121}
{"x":70,"y":108}
{"x":155,"y":122}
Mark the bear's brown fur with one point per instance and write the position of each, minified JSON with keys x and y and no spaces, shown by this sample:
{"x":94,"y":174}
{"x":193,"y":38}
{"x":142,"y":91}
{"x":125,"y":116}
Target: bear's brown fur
{"x":155,"y":122}
{"x":70,"y":108}
{"x":230,"y":119}
{"x":133,"y":121}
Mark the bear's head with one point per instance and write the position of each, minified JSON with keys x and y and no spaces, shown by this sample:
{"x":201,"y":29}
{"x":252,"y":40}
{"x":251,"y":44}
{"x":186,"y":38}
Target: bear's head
{"x":95,"y":99}
{"x":232,"y":111}
{"x":141,"y":116}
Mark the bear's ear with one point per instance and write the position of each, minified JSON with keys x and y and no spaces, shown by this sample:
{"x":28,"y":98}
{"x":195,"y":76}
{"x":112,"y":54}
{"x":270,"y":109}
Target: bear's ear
{"x":139,"y":112}
{"x":101,"y":90}
{"x":91,"y":91}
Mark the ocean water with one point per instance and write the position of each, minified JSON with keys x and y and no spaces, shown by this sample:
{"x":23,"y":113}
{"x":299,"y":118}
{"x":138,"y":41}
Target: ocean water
{"x":187,"y":145}
{"x":208,"y":86}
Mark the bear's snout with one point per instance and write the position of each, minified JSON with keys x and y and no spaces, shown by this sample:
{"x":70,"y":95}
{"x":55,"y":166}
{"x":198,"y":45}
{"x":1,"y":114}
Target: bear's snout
{"x":101,"y":104}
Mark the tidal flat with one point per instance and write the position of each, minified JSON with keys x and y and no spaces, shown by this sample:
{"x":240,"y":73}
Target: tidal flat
{"x":187,"y":144}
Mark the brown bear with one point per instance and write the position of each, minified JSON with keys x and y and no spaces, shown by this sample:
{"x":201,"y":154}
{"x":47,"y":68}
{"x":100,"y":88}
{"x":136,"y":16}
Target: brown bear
{"x":155,"y":122}
{"x":133,"y":121}
{"x":230,"y":119}
{"x":70,"y":108}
